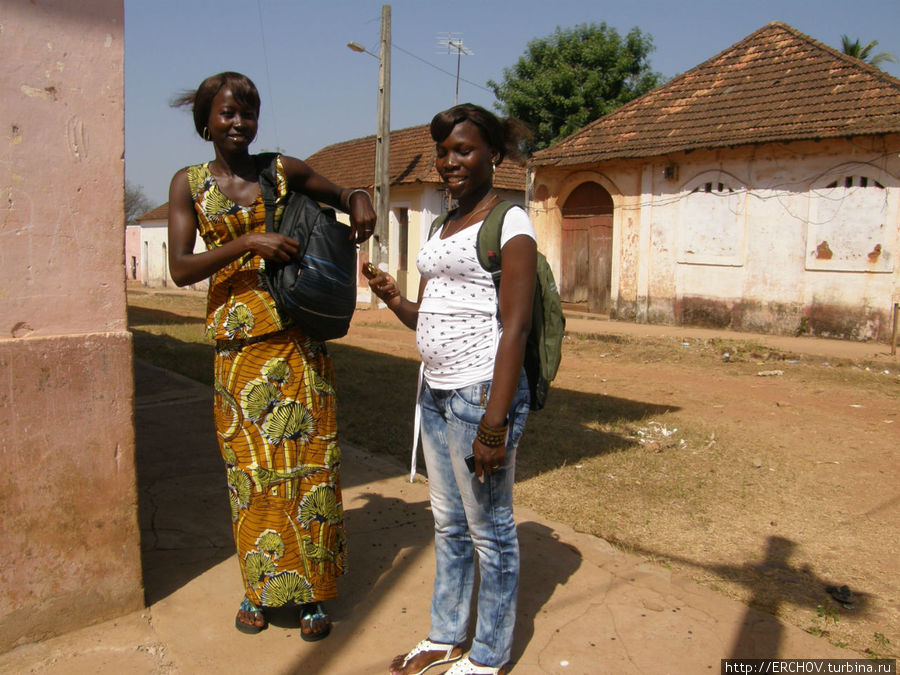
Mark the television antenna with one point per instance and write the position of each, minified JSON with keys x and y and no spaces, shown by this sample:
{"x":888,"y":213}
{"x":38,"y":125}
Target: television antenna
{"x":454,"y":44}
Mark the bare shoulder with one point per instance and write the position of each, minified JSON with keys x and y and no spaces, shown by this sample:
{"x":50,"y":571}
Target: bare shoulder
{"x":179,"y":190}
{"x":294,"y":167}
{"x":180,"y":176}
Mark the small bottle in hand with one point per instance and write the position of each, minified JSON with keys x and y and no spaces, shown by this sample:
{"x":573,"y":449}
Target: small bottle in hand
{"x":370,"y":271}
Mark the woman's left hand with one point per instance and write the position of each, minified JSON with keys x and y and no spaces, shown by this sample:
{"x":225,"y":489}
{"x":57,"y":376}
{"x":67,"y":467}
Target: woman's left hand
{"x":301,"y":178}
{"x":488,"y":460}
{"x":362,"y":217}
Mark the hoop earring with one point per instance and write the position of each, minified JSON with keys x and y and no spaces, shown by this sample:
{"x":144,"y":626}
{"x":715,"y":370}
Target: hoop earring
{"x":493,"y":167}
{"x":205,"y":134}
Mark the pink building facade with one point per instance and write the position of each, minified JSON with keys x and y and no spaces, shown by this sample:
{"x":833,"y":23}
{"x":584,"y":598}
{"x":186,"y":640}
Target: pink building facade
{"x":69,"y":530}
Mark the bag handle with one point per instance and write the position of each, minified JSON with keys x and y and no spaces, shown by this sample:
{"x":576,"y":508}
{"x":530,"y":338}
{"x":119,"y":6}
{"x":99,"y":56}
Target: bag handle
{"x":267,"y":185}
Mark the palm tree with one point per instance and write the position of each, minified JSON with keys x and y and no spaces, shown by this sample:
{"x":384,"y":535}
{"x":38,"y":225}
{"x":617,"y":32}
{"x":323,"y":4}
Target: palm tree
{"x":864,"y":52}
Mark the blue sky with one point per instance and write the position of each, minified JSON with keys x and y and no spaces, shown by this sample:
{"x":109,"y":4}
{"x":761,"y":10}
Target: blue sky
{"x":315,"y":91}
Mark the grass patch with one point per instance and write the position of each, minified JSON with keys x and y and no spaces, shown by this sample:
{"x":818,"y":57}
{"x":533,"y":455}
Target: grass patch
{"x":168,"y":331}
{"x":176,"y":350}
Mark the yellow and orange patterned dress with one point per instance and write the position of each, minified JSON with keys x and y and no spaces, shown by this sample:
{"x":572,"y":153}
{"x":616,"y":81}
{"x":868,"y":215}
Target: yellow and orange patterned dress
{"x":275,"y":415}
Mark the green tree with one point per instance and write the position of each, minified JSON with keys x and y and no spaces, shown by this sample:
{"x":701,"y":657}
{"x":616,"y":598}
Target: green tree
{"x":864,"y":52}
{"x":574,"y":76}
{"x":136,"y":202}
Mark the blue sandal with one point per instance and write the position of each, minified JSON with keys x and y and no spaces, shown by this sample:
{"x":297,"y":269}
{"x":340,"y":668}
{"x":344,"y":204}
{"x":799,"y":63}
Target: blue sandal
{"x":256,"y":612}
{"x":310,"y":614}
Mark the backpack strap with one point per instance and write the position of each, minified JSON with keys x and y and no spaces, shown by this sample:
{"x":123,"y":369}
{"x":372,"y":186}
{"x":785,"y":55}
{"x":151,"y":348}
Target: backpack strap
{"x":488,"y":247}
{"x":268,"y":182}
{"x":438,"y":223}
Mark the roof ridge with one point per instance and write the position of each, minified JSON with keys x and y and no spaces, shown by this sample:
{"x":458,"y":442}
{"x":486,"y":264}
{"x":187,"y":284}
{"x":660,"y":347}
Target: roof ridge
{"x":367,"y":138}
{"x":152,"y":214}
{"x":665,"y":85}
{"x":667,"y":118}
{"x":351,"y":163}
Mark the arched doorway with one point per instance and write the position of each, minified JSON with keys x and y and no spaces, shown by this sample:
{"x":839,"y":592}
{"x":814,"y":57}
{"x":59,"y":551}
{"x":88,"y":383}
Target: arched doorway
{"x":586,"y":273}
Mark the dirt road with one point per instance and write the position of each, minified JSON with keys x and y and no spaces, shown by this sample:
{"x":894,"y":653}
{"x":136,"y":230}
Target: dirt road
{"x":763,"y":467}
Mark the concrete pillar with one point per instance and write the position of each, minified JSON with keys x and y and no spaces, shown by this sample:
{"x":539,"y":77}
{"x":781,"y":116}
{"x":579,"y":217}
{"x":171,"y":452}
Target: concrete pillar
{"x":68,"y":531}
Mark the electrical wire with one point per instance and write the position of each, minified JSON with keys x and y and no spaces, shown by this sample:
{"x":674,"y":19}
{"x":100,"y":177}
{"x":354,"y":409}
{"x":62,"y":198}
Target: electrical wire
{"x":446,"y":72}
{"x":262,"y":35}
{"x":779,"y":191}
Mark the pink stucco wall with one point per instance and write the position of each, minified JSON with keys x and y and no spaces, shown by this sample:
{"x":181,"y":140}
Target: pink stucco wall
{"x":69,"y":533}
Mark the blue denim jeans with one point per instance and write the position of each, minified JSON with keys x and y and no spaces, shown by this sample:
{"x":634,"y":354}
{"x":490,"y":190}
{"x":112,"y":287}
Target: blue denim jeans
{"x":472,"y":516}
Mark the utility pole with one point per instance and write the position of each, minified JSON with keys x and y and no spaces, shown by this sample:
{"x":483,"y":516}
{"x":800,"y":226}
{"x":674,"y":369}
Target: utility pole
{"x":380,"y":239}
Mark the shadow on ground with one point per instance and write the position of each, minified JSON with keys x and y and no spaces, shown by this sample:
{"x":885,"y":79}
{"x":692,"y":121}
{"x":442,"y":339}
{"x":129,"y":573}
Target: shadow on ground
{"x":773,"y":581}
{"x":146,"y":316}
{"x":191,"y":359}
{"x":183,"y":506}
{"x":377,"y":394}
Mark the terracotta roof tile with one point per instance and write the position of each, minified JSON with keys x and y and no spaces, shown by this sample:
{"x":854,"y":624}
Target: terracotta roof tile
{"x":775,"y":85}
{"x":159,"y":213}
{"x":352,"y":163}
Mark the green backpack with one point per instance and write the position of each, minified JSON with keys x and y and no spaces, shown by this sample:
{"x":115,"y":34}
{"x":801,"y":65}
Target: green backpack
{"x":548,"y":325}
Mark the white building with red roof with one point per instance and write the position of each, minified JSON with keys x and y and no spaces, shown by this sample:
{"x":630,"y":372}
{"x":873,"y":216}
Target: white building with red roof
{"x":758,"y":191}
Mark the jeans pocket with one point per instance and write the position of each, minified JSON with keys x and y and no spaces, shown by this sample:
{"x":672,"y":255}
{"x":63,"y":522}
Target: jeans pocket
{"x":467,"y":404}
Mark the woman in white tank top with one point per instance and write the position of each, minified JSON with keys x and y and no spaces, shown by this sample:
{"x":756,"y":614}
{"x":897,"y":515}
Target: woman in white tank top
{"x":474,"y":400}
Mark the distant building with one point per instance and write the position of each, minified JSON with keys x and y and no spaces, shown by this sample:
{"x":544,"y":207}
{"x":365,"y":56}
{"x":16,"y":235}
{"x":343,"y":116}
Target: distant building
{"x":758,"y":191}
{"x":147,"y":250}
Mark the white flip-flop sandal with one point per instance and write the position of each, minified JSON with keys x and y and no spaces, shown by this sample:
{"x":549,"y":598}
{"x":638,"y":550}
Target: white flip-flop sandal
{"x":466,"y":667}
{"x":427,"y":645}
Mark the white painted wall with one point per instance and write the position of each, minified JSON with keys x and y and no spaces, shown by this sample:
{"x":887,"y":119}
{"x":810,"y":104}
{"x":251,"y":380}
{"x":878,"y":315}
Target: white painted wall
{"x":154,"y":263}
{"x":764,"y":238}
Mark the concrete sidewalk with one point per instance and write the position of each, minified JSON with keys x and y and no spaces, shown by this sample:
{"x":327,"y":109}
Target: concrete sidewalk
{"x":584,"y":607}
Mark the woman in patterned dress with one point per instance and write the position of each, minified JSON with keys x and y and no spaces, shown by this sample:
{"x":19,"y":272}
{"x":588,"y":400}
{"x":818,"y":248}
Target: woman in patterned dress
{"x":274,"y":386}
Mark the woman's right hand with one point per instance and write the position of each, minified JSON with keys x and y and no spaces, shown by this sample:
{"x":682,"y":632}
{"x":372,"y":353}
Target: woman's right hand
{"x":384,"y":286}
{"x":270,"y":245}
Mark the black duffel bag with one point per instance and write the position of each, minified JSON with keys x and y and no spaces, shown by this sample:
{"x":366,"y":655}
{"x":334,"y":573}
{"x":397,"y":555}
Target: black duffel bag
{"x":317,"y":288}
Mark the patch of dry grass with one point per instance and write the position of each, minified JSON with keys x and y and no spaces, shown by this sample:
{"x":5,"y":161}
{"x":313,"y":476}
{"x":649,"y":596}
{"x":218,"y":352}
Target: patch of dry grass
{"x":742,"y":482}
{"x":167,"y":330}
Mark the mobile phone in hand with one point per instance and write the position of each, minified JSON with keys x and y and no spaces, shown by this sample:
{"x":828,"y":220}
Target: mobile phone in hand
{"x":470,"y":463}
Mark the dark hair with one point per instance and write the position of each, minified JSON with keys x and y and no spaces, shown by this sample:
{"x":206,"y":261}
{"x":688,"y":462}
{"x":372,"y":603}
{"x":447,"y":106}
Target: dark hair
{"x":504,"y":136}
{"x":200,"y":100}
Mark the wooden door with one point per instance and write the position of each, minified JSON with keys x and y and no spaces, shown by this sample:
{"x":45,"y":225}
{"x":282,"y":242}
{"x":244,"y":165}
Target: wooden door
{"x":573,"y":284}
{"x":586,"y":265}
{"x":600,"y":263}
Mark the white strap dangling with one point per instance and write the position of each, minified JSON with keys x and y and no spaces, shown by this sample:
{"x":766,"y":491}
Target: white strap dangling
{"x":417,"y":423}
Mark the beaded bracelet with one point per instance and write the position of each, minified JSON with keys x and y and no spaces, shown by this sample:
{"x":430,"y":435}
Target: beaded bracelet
{"x":353,"y":192}
{"x":492,"y":437}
